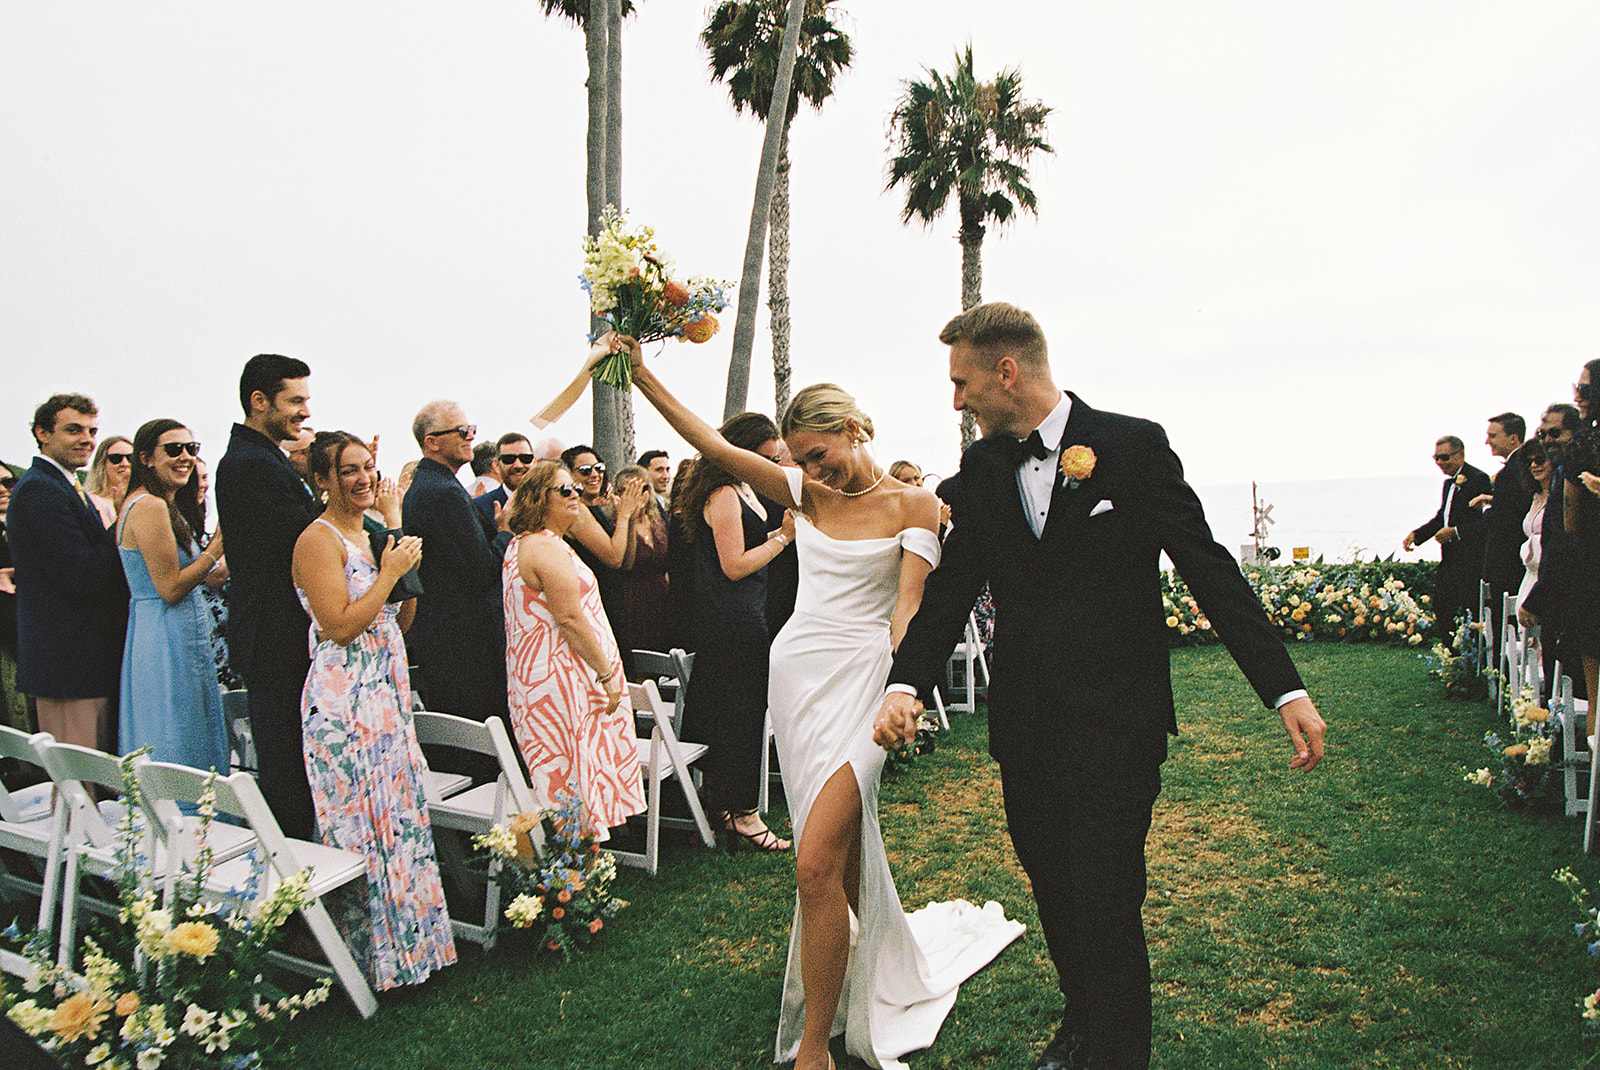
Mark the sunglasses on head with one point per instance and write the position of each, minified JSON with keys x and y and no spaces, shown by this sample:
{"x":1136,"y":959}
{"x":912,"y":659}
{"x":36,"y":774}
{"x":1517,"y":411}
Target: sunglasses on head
{"x":118,"y":458}
{"x":566,"y":490}
{"x":175,"y":448}
{"x":591,"y":469}
{"x":516,"y":458}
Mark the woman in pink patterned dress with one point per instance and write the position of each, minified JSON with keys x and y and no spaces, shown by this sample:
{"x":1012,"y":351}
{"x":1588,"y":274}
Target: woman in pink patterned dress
{"x":569,"y":705}
{"x":361,"y":751}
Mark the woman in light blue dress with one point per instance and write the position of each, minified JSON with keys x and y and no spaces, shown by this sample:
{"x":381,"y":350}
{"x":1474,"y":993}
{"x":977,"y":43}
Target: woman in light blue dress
{"x":169,"y":697}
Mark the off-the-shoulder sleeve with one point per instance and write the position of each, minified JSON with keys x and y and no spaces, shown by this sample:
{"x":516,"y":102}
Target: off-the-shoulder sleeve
{"x":922,"y":542}
{"x":797,"y":479}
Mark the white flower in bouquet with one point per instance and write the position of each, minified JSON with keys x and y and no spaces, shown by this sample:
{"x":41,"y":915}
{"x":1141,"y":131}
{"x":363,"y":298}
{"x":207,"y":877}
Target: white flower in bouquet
{"x":196,"y":1020}
{"x":524,"y":910}
{"x":153,"y":929}
{"x":1539,"y":750}
{"x":150,"y":1059}
{"x":1481,"y":777}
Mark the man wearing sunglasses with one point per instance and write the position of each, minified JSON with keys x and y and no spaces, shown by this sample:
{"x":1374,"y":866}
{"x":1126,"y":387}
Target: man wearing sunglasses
{"x":1459,"y":530}
{"x":459,"y":635}
{"x":72,"y":596}
{"x":513,"y":457}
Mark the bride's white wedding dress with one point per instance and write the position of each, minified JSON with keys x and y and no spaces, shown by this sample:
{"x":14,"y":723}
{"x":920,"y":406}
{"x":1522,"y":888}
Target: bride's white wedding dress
{"x":829,"y":666}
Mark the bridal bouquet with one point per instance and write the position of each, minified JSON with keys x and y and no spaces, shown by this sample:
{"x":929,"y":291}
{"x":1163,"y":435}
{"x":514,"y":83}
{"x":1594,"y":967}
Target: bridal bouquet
{"x":558,"y":882}
{"x":631,"y":287}
{"x":177,"y":985}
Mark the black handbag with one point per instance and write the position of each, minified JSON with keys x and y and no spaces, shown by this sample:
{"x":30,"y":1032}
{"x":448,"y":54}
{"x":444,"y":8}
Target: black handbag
{"x":407,"y":586}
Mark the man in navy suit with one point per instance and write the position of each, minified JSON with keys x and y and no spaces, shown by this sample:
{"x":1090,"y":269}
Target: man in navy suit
{"x":1459,"y":529}
{"x":513,"y":458}
{"x":1067,"y":526}
{"x":263,"y":506}
{"x":72,"y":596}
{"x":459,"y":635}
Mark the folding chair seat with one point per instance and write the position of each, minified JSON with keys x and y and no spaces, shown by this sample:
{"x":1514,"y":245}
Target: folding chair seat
{"x":665,"y":758}
{"x":268,"y":851}
{"x":477,"y":809}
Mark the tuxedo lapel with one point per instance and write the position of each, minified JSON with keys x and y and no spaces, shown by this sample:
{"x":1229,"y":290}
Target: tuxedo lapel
{"x":1066,"y":504}
{"x":1009,"y":496}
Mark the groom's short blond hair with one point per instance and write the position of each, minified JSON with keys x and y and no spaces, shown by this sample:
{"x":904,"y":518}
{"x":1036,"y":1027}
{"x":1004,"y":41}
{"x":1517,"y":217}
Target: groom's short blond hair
{"x":998,"y":329}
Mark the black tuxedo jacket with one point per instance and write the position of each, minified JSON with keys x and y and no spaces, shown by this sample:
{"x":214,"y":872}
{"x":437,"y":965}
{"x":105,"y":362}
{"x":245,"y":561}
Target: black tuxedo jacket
{"x":1549,"y":596}
{"x":1080,"y":670}
{"x":459,"y":633}
{"x":485,"y":503}
{"x":1460,"y":561}
{"x":1503,"y":537}
{"x":262,"y":507}
{"x":72,"y":595}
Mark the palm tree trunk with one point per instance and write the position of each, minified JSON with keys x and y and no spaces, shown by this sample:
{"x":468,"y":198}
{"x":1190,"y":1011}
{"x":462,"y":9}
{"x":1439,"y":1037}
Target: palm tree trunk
{"x":621,"y":401}
{"x":778,"y":278}
{"x":744,"y":328}
{"x":971,"y":289}
{"x":607,"y":441}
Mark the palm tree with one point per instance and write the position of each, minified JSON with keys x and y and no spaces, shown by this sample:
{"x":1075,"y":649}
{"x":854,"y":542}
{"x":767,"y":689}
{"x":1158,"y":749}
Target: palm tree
{"x":958,"y":135}
{"x":744,"y":39}
{"x":601,"y":21}
{"x":744,"y":330}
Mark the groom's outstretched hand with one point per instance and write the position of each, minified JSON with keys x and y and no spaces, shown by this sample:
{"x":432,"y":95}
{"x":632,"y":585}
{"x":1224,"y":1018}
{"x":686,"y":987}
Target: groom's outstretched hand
{"x":896,"y":725}
{"x":1306,"y":729}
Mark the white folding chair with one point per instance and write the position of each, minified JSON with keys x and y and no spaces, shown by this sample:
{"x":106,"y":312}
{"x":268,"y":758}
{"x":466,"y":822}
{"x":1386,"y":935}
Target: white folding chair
{"x":236,"y":715}
{"x":666,"y":757}
{"x":438,"y":785}
{"x":279,"y":857}
{"x":1488,"y":652}
{"x":30,"y":824}
{"x":476,"y":810}
{"x":967,"y":662}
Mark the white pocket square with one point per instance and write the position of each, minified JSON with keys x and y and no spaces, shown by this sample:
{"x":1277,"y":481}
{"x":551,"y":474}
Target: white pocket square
{"x":1104,"y":506}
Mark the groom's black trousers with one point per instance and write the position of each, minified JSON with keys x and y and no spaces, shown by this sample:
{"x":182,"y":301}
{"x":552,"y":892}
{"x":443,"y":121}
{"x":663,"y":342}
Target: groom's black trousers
{"x":1083,"y":849}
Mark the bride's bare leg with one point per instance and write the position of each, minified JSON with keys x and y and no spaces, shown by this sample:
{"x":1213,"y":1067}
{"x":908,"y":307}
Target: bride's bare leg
{"x":827,"y":863}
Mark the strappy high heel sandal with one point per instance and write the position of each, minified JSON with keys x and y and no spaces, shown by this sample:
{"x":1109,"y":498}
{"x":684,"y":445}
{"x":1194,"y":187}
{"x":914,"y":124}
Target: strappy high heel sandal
{"x":765,"y":841}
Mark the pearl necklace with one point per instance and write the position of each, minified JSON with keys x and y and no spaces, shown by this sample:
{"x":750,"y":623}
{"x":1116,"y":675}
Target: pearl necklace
{"x":859,"y":493}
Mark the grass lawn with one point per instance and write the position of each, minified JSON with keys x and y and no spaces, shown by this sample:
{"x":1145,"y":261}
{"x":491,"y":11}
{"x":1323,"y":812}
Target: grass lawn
{"x":1375,"y":913}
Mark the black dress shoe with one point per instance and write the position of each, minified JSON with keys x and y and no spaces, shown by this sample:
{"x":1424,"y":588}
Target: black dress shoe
{"x":1064,"y":1052}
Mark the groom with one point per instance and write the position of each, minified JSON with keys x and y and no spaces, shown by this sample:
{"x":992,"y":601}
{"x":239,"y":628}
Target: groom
{"x":1067,"y":527}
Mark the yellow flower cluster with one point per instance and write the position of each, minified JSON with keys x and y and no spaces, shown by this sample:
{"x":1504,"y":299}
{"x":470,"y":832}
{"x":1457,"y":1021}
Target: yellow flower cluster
{"x":1306,"y":603}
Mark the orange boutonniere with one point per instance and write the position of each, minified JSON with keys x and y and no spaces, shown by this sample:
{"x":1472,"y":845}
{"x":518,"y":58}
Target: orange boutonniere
{"x":1461,"y":480}
{"x":1077,"y":464}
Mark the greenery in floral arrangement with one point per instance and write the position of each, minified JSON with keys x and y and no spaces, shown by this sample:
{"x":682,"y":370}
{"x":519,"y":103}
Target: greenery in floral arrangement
{"x":1458,"y":664}
{"x":178,"y":985}
{"x":631,"y":287}
{"x":925,"y":744}
{"x":1521,"y":770}
{"x":562,"y":886}
{"x":1588,"y":931}
{"x":1348,"y":603}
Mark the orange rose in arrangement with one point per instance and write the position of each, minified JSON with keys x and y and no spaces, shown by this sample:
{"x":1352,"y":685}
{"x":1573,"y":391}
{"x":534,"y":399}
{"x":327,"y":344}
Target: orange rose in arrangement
{"x":1516,"y":750}
{"x":596,"y":925}
{"x":127,"y":1004}
{"x":701,"y":330}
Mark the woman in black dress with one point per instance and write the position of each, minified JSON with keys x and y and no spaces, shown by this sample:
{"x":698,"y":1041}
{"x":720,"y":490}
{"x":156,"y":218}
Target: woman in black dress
{"x":726,"y":705}
{"x":1581,"y":463}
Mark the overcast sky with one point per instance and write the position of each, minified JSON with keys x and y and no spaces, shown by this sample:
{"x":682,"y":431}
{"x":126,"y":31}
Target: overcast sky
{"x":1307,"y":237}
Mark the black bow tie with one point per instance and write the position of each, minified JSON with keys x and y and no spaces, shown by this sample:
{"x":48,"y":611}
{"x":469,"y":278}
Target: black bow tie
{"x":1023,"y":448}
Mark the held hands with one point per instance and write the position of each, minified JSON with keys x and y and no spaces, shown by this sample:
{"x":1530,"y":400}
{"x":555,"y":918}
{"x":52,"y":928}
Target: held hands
{"x":400,"y":557}
{"x":896,"y":725}
{"x":1306,"y":729}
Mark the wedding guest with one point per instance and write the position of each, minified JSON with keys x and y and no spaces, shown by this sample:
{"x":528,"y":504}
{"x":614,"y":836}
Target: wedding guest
{"x":726,"y":703}
{"x":484,"y":477}
{"x":169,"y":697}
{"x":659,"y":466}
{"x":1458,"y":529}
{"x":1538,"y":476}
{"x":361,"y":753}
{"x":513,"y":457}
{"x":569,"y":703}
{"x":215,"y":593}
{"x":1546,"y":602}
{"x":72,"y":599}
{"x":644,"y":585}
{"x":459,"y":635}
{"x":13,"y":704}
{"x":906,"y":472}
{"x":107,"y":480}
{"x":1505,"y":508}
{"x":264,"y":505}
{"x":298,"y":450}
{"x":680,"y":570}
{"x":603,"y":541}
{"x":1581,"y":467}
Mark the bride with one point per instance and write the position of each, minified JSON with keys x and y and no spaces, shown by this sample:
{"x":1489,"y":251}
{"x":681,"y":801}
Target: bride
{"x":858,"y":964}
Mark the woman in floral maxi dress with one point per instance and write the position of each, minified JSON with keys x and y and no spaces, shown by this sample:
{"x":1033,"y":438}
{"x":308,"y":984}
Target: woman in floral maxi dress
{"x":362,"y":758}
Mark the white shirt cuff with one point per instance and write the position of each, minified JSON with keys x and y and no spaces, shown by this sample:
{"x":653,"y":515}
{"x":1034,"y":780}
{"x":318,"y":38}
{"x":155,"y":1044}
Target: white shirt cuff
{"x":900,"y":689}
{"x":1289,"y":696}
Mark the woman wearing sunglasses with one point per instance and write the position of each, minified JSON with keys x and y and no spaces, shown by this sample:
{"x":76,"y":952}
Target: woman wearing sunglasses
{"x":568,"y":695}
{"x":107,"y":481}
{"x":603,"y":535}
{"x":169,"y":697}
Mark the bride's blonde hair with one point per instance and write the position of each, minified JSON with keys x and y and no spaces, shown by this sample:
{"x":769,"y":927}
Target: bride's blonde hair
{"x":825,"y":409}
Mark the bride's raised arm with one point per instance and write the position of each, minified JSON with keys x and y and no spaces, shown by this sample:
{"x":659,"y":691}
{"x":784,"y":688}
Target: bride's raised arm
{"x":574,"y":390}
{"x":754,"y":469}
